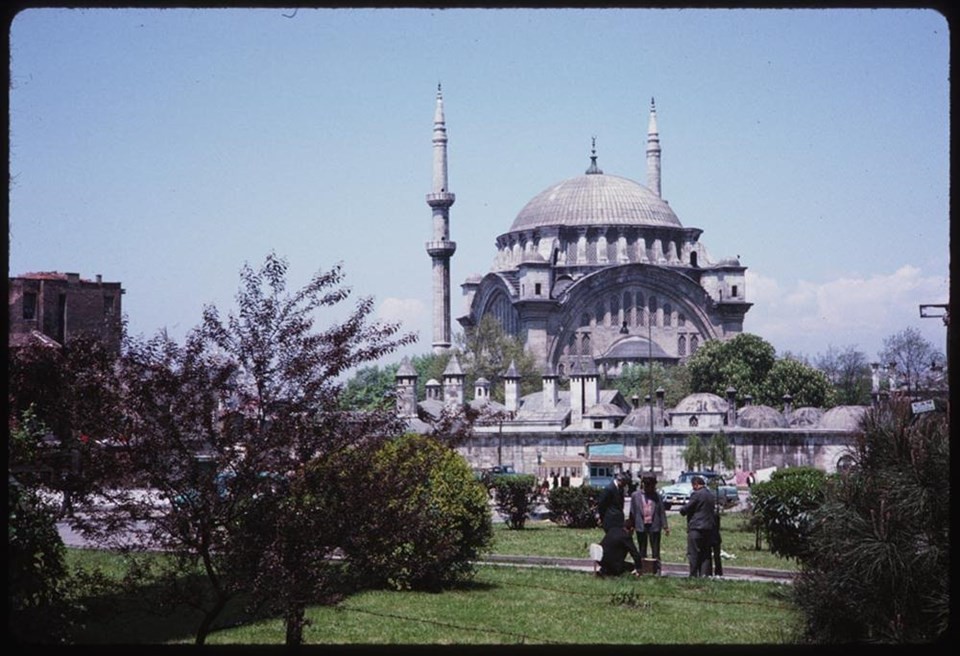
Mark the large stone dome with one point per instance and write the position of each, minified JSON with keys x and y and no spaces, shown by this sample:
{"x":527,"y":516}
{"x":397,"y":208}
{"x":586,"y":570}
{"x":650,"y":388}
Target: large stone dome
{"x":596,"y":200}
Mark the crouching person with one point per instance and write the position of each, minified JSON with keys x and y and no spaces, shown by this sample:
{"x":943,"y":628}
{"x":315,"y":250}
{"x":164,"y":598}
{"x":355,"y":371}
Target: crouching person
{"x":617,"y":543}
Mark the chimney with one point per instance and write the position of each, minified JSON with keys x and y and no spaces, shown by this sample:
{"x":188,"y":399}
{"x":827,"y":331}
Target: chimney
{"x":660,"y":394}
{"x":406,"y":379}
{"x":549,"y":389}
{"x":511,"y":382}
{"x":787,"y":404}
{"x":731,"y":406}
{"x":453,"y":382}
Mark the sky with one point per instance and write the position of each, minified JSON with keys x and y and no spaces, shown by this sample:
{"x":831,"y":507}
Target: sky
{"x":165,"y":148}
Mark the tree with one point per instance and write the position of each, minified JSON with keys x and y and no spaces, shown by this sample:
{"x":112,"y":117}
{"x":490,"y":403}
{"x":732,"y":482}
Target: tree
{"x":718,"y":451}
{"x":634,"y":379}
{"x":912,"y":354}
{"x":879,"y":552}
{"x":848,"y":372}
{"x":228,"y":423}
{"x":807,"y":386}
{"x":487,"y":351}
{"x":515,"y":496}
{"x":371,"y":388}
{"x":743,"y":362}
{"x":782,"y":508}
{"x":695,"y":453}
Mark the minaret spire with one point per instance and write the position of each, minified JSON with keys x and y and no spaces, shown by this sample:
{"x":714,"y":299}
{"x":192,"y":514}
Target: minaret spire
{"x":653,"y":151}
{"x":594,"y":169}
{"x":440,"y":248}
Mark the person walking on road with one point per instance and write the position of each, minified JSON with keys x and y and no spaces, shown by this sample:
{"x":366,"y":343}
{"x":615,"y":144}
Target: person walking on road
{"x":648,"y":516}
{"x":700,"y":512}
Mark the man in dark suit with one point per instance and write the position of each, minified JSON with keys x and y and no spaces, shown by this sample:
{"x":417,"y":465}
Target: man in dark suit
{"x":610,"y":503}
{"x":617,"y":543}
{"x":701,"y":524}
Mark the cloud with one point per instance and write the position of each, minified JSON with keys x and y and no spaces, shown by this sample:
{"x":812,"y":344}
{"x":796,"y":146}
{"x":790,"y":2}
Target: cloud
{"x":858,"y":311}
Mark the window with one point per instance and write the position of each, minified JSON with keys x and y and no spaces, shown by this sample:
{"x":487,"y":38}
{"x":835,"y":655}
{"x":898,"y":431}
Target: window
{"x":694,"y":343}
{"x":108,"y":305}
{"x":667,"y":314}
{"x":733,"y":291}
{"x":29,"y":306}
{"x":681,"y":319}
{"x":682,"y":346}
{"x":694,"y":421}
{"x":537,"y":288}
{"x":693,"y":258}
{"x":598,"y":425}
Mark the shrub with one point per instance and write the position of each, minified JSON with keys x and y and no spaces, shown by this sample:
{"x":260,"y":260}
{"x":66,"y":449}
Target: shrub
{"x":782,"y":508}
{"x":574,"y":507}
{"x":37,"y":584}
{"x":515,"y":496}
{"x":429,"y":518}
{"x":879,"y":557}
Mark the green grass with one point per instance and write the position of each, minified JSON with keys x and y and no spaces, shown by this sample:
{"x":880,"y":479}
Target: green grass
{"x":507,"y":605}
{"x":544,"y":538}
{"x":503,"y":605}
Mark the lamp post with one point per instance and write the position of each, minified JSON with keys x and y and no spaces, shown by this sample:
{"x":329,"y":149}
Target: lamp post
{"x":650,"y":366}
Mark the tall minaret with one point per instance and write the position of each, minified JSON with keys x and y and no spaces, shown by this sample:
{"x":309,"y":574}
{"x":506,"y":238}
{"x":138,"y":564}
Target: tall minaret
{"x":653,"y":151}
{"x":440,"y":248}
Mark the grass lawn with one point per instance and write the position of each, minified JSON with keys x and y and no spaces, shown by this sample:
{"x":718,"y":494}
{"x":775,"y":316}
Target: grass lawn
{"x":544,"y":538}
{"x":544,"y":606}
{"x":503,"y":605}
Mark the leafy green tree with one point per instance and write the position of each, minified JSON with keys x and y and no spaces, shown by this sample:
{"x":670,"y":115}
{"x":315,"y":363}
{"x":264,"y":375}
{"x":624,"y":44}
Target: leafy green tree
{"x":694,"y":454}
{"x":487,"y":351}
{"x":743,"y":362}
{"x":806,"y":385}
{"x":912,"y":355}
{"x":848,"y":372}
{"x":782,"y":509}
{"x":429,"y":366}
{"x":634,"y":379}
{"x":718,"y":451}
{"x":371,"y":388}
{"x":877,"y":561}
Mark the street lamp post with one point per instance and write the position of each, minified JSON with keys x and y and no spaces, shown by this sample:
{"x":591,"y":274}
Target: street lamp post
{"x":650,"y":366}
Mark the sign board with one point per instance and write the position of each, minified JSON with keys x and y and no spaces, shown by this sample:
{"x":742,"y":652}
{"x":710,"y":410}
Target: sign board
{"x":919,"y":407}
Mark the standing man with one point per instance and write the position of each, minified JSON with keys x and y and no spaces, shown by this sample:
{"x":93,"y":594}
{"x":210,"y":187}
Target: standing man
{"x":701,"y":525}
{"x":610,"y":503}
{"x":648,"y":516}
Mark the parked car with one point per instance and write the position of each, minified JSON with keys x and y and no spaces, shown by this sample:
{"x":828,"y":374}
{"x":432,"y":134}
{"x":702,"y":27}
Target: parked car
{"x":679,"y":493}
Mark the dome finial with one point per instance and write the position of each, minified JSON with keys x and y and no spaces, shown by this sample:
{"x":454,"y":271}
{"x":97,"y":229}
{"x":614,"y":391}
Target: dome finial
{"x":593,"y":170}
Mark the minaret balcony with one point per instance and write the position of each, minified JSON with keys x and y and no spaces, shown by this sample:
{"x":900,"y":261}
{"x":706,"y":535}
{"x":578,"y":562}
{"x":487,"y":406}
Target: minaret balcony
{"x":441,"y":199}
{"x":441,"y":248}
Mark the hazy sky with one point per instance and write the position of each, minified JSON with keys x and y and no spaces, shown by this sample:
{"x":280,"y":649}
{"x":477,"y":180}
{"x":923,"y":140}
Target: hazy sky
{"x":165,"y":148}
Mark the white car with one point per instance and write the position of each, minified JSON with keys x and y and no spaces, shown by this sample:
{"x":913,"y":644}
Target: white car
{"x":679,"y":493}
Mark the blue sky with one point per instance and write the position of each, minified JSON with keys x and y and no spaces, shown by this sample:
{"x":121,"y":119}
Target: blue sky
{"x":165,"y":148}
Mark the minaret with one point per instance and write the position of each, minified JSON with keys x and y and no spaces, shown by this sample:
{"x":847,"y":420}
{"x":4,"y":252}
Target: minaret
{"x":653,"y":152}
{"x":440,"y":248}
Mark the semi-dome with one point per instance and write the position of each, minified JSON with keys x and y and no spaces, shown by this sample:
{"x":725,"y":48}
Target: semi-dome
{"x":596,"y":200}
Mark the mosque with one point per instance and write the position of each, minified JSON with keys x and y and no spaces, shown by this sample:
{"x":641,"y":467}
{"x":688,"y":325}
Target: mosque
{"x":597,"y":272}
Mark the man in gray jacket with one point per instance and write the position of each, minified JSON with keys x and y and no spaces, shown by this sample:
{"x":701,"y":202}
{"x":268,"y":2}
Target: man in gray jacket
{"x":648,"y":516}
{"x":701,"y":523}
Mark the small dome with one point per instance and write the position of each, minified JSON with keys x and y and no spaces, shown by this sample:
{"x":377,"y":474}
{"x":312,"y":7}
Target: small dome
{"x":843,"y":417}
{"x":701,"y":402}
{"x":760,"y":416}
{"x":596,"y":200}
{"x":805,"y":416}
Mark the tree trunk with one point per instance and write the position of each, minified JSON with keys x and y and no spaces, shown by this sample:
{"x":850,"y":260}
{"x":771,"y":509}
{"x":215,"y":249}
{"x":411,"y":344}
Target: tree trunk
{"x":295,"y":623}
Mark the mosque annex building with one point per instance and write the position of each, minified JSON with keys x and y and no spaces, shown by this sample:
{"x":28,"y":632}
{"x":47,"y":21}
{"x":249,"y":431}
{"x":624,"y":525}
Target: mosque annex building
{"x":598,"y":271}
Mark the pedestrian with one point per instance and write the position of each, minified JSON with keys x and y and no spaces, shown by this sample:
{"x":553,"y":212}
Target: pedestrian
{"x":610,"y":503}
{"x":715,"y":543}
{"x":616,"y":544}
{"x":701,"y":522}
{"x":648,"y":516}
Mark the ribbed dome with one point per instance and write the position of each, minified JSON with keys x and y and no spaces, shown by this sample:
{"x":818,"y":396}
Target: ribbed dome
{"x":596,"y":200}
{"x":701,"y":402}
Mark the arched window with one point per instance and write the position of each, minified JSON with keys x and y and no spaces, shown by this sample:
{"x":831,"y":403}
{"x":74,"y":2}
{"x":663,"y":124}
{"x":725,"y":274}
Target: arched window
{"x":681,"y":319}
{"x":598,"y":312}
{"x":615,"y":311}
{"x":653,"y":311}
{"x":585,"y":345}
{"x":694,"y":344}
{"x":667,"y":314}
{"x":693,"y":258}
{"x":639,"y":316}
{"x":682,"y":346}
{"x":694,"y":421}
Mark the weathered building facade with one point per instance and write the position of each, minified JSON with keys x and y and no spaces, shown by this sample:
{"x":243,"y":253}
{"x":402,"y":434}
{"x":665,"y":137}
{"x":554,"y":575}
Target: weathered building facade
{"x":57,"y":306}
